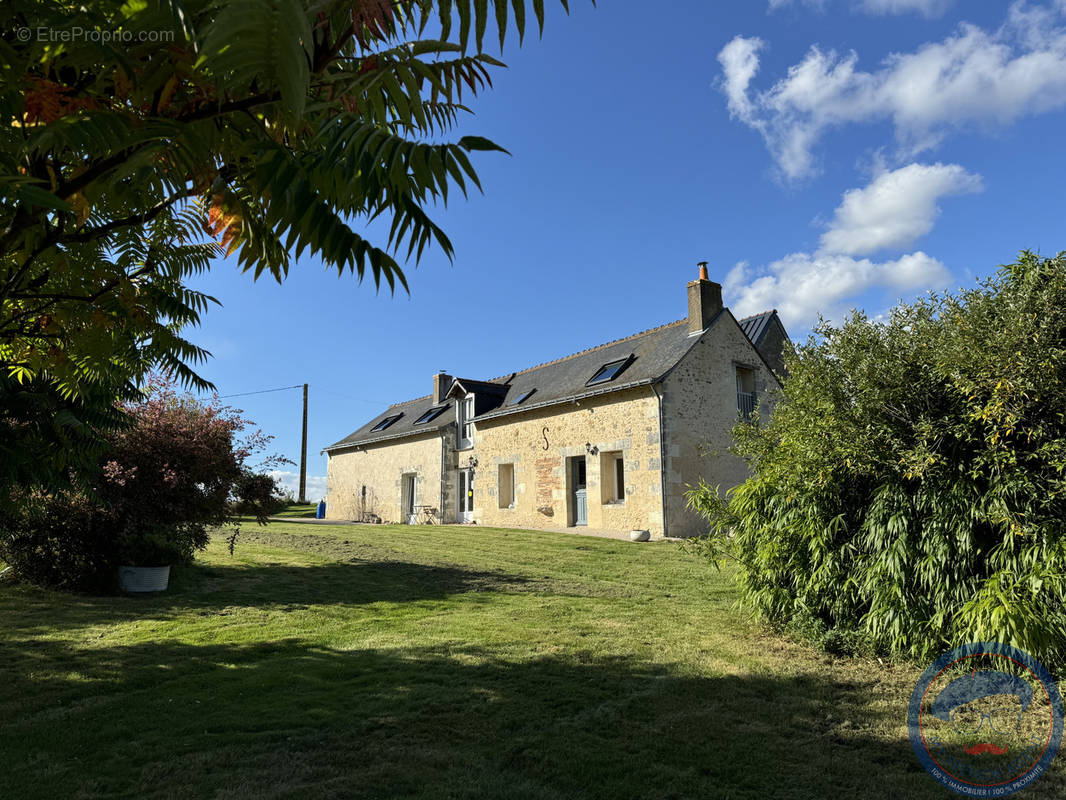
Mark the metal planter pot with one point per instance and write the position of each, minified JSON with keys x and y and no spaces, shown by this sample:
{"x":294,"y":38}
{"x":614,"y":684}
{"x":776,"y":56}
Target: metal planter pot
{"x":138,"y":580}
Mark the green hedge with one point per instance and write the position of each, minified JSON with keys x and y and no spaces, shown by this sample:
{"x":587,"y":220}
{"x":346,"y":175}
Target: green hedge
{"x":909,"y":489}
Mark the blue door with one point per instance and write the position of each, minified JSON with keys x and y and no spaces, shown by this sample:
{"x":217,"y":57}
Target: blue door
{"x":577,"y":481}
{"x":580,"y":508}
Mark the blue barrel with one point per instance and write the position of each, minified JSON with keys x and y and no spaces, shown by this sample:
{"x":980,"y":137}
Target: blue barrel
{"x":321,"y":513}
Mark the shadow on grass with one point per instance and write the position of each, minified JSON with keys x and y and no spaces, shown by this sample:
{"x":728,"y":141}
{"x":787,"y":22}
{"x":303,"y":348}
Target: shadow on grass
{"x":356,"y":582}
{"x":213,"y":588}
{"x":286,"y":719}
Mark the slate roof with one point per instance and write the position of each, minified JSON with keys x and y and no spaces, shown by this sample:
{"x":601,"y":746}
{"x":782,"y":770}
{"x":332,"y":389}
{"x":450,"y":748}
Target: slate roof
{"x":404,"y":426}
{"x":755,"y":326}
{"x":652,"y":353}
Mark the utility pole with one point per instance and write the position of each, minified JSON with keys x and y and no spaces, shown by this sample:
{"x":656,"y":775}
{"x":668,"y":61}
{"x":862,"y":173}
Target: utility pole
{"x":303,"y":455}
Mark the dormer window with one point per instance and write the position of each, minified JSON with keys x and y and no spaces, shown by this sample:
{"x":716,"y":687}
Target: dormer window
{"x":609,"y":371}
{"x":385,"y":423}
{"x":431,"y":415}
{"x":465,"y":413}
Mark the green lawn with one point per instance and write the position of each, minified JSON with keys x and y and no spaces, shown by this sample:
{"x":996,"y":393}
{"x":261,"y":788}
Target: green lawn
{"x":299,"y":510}
{"x":439,"y":662}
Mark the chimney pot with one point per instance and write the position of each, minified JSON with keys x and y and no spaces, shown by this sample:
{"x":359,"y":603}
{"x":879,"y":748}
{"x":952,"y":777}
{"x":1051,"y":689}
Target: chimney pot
{"x":703,"y":270}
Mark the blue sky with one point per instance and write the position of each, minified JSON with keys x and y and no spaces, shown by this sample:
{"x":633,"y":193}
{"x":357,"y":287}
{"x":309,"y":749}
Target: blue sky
{"x":819,"y":155}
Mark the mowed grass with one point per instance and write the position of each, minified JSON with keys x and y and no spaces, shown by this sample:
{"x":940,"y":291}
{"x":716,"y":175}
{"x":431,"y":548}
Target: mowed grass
{"x":439,"y":662}
{"x":306,"y":510}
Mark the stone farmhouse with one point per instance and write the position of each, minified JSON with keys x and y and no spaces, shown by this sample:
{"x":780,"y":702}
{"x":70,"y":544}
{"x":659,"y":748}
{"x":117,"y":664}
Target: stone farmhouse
{"x":609,"y":438}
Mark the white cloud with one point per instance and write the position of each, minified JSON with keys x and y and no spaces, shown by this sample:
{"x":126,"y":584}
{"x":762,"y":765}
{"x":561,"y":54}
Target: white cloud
{"x":290,"y":481}
{"x":735,"y":279}
{"x":973,"y":77}
{"x":927,"y":8}
{"x":803,"y":285}
{"x":892,"y":211}
{"x":816,"y":4}
{"x":895,"y":208}
{"x":740,"y":62}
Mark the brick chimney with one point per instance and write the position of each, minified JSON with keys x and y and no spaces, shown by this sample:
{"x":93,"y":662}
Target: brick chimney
{"x":442,"y":382}
{"x":704,"y":301}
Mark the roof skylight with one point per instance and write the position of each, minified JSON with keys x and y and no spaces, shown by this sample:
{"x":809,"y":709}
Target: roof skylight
{"x":522,"y":397}
{"x":386,"y":422}
{"x":431,"y":415}
{"x":609,"y":371}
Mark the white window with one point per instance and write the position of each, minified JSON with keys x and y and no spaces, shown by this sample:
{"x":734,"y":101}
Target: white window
{"x":505,"y":486}
{"x":466,"y":427}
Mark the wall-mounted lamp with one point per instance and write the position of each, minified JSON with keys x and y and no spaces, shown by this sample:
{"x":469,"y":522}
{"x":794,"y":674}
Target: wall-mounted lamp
{"x":471,"y":462}
{"x":590,"y":449}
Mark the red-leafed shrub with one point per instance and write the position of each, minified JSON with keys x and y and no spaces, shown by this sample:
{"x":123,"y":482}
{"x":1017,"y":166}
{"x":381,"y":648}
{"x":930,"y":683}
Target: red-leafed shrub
{"x":166,"y":479}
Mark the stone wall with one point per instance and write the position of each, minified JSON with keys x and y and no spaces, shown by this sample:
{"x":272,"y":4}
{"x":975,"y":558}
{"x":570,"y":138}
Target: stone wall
{"x":773,"y":346}
{"x":699,"y":411}
{"x":380,"y":468}
{"x":538,"y":444}
{"x":699,"y":406}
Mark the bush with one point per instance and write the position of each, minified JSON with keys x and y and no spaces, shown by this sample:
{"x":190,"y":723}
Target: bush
{"x":812,"y":630}
{"x":168,"y":477}
{"x":909,"y":490}
{"x":62,"y":540}
{"x":165,"y":480}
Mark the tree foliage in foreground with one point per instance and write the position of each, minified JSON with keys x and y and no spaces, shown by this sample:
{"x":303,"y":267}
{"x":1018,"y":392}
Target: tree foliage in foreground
{"x":141,"y":139}
{"x":910,"y":487}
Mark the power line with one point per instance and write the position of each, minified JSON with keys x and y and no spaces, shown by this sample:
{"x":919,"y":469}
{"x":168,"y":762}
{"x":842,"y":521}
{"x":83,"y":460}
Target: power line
{"x":300,"y":386}
{"x":261,"y":391}
{"x":356,"y":399}
{"x":303,"y":438}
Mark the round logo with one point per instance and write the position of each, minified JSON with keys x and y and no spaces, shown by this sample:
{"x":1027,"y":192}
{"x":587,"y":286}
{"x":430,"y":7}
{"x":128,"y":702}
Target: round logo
{"x":986,"y":719}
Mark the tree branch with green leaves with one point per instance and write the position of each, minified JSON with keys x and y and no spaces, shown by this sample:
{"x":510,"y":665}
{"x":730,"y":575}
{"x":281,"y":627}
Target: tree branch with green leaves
{"x":261,"y":129}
